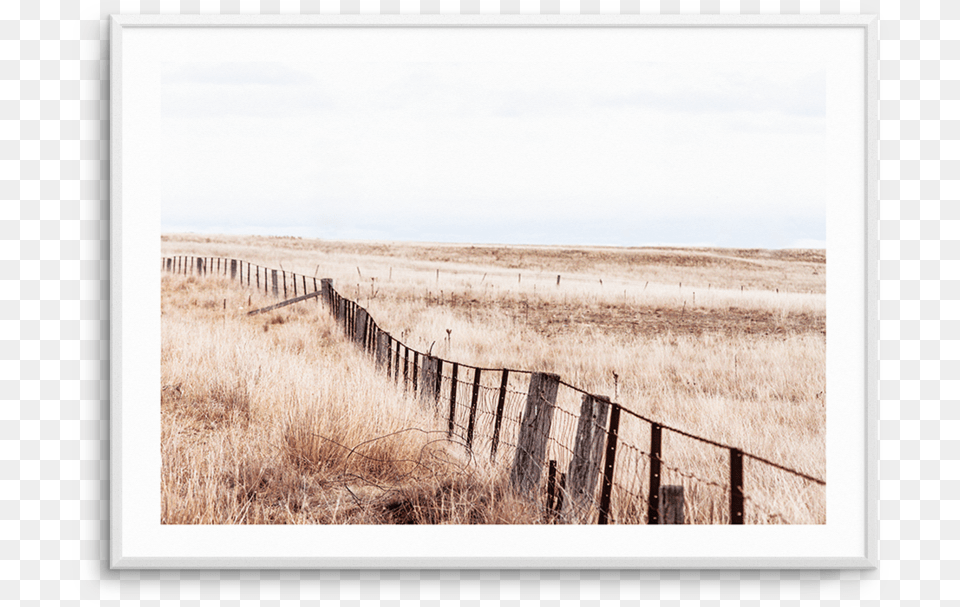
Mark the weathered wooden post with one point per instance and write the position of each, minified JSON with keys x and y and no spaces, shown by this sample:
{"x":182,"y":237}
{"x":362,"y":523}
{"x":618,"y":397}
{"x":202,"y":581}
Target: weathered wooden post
{"x":199,"y":266}
{"x":416,"y":367}
{"x":295,"y":294}
{"x":609,"y":460}
{"x":534,"y":432}
{"x":653,"y":500}
{"x":671,"y":504}
{"x":453,"y":399}
{"x":428,"y":379}
{"x":736,"y":486}
{"x":383,"y":350}
{"x":360,"y":333}
{"x":396,"y":362}
{"x":276,"y":284}
{"x":326,"y":287}
{"x":584,"y":470}
{"x":498,"y":418}
{"x":233,"y":269}
{"x":471,"y":423}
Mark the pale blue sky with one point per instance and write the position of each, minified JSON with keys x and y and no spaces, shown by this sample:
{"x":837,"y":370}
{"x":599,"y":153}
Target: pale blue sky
{"x":529,"y":153}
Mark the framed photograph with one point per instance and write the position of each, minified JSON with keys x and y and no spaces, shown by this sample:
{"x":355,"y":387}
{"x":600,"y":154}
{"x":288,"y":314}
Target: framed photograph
{"x":493,"y":292}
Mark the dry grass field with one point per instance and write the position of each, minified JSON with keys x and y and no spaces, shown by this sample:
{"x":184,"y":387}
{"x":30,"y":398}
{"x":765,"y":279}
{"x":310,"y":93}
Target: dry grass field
{"x":277,"y":418}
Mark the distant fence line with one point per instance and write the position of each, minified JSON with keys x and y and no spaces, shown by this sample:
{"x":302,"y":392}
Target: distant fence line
{"x":591,"y":447}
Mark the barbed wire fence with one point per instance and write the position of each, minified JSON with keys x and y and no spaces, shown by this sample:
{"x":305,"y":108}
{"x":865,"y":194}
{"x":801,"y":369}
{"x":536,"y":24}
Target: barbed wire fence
{"x":580,"y":456}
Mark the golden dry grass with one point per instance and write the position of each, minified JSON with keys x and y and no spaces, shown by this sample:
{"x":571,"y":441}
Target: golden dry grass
{"x":260,"y":413}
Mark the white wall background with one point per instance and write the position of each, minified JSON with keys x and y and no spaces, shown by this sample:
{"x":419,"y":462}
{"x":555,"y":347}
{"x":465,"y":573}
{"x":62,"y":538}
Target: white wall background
{"x":54,"y":309}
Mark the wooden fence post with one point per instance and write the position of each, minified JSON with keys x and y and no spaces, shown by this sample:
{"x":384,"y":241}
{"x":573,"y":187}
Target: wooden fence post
{"x":295,"y":285}
{"x":284,"y":283}
{"x":233,"y":269}
{"x":473,"y":408}
{"x":534,"y":432}
{"x":416,"y":367}
{"x":199,"y":266}
{"x":653,"y":500}
{"x":248,"y":274}
{"x":428,"y":380}
{"x":453,"y":399}
{"x":360,"y":332}
{"x":396,"y":361}
{"x":498,"y":418}
{"x":326,"y":286}
{"x":276,"y":286}
{"x":736,"y":486}
{"x":608,"y":464}
{"x":438,"y":382}
{"x":383,"y":350}
{"x":584,"y":469}
{"x":406,"y":366}
{"x":671,"y":504}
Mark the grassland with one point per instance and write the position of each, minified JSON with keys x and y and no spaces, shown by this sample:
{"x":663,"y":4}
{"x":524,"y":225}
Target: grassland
{"x":277,"y":419}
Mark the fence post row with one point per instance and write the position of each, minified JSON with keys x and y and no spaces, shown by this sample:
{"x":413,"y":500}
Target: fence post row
{"x":587,"y":457}
{"x":534,"y":432}
{"x":609,"y":459}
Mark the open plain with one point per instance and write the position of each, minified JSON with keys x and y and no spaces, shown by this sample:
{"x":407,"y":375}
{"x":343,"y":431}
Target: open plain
{"x":278,"y":418}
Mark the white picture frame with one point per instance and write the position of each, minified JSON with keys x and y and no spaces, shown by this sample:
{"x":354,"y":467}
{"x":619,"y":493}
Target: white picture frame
{"x":139,"y":45}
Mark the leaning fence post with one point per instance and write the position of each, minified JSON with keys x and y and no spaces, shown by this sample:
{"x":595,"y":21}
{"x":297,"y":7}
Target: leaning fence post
{"x":671,"y":504}
{"x":498,"y":419}
{"x":608,"y":464}
{"x":585,"y":465}
{"x":534,"y":432}
{"x":453,"y":399}
{"x":736,"y":486}
{"x":653,"y":501}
